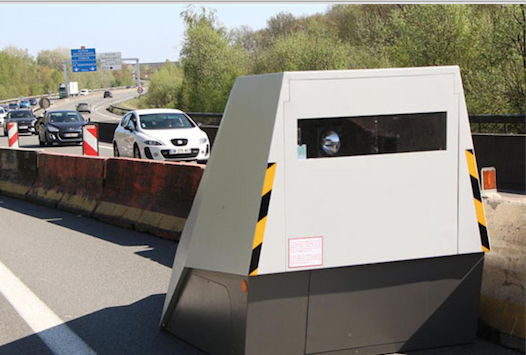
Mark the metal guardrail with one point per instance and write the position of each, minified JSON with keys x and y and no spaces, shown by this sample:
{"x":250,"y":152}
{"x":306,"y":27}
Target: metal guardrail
{"x":55,"y":94}
{"x":26,"y":97}
{"x":507,"y":124}
{"x":206,"y":118}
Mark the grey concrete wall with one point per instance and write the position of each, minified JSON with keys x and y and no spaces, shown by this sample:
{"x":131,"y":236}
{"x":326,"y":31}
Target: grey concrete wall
{"x":502,"y":303}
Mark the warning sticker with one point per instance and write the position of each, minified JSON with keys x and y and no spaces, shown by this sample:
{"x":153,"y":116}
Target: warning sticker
{"x":305,"y":252}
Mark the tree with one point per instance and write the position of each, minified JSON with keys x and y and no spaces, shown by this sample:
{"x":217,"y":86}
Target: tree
{"x":164,"y":86}
{"x":509,"y":23}
{"x":210,"y":63}
{"x":53,"y":58}
{"x":311,"y":50}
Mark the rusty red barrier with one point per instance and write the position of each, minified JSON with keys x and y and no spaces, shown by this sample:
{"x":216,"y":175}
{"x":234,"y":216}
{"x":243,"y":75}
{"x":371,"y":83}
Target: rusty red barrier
{"x":70,"y":182}
{"x":18,"y":170}
{"x":150,"y":196}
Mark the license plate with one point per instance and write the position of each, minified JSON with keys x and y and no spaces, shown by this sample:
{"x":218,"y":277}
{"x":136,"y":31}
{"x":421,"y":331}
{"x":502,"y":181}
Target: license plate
{"x":69,"y":135}
{"x":180,"y":151}
{"x":22,"y":127}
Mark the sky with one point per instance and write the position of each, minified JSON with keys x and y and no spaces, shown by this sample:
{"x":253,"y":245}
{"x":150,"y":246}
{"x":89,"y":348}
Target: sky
{"x":152,"y":32}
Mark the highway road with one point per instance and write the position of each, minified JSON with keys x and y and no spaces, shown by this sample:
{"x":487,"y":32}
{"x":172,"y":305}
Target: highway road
{"x":98,"y":114}
{"x":73,"y":285}
{"x":103,"y":284}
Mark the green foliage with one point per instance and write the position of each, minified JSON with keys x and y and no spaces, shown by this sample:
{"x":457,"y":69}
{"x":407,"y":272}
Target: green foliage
{"x":53,"y":58}
{"x":487,"y":42}
{"x":210,"y":63}
{"x":305,"y":51}
{"x":164,"y":86}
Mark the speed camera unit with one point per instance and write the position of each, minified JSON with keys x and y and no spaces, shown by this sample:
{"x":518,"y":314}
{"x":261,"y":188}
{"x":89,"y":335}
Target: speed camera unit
{"x":340,"y":213}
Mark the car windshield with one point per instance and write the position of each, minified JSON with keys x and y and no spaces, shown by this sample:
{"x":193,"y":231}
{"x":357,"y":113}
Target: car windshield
{"x":13,"y":105}
{"x":59,"y":117}
{"x":2,"y":110}
{"x":165,"y":121}
{"x":20,"y":114}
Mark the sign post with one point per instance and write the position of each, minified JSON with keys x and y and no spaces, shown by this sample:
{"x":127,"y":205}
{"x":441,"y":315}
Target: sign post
{"x":83,"y":60}
{"x":110,"y":61}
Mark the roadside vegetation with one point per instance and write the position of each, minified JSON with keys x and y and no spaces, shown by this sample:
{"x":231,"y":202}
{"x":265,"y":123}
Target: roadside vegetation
{"x":487,"y":42}
{"x":23,"y":75}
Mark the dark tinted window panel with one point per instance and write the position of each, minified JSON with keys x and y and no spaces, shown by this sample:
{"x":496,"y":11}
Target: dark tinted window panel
{"x":385,"y":134}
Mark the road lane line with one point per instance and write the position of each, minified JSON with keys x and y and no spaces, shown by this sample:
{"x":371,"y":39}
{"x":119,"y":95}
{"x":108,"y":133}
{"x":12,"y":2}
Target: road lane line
{"x":58,"y":337}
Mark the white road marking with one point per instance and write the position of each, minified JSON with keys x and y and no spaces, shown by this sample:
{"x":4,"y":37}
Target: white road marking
{"x":59,"y":338}
{"x":104,"y":147}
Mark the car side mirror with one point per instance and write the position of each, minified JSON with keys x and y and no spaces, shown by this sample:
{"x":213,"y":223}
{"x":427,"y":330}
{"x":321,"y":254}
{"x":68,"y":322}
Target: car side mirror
{"x":199,"y":124}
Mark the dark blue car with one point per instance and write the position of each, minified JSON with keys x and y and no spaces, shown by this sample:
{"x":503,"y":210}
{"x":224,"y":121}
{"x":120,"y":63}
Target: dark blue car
{"x":61,"y":127}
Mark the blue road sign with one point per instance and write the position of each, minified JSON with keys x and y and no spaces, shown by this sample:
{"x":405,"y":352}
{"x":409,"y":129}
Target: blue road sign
{"x":83,"y":60}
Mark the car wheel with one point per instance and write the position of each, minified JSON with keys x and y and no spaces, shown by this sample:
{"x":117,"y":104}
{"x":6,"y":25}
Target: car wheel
{"x":115,"y":150}
{"x":136,"y":152}
{"x":45,"y":142}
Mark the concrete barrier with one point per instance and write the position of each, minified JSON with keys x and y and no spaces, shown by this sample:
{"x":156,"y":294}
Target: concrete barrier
{"x":502,"y":304}
{"x":69,"y":182}
{"x":149,"y":196}
{"x":18,"y":171}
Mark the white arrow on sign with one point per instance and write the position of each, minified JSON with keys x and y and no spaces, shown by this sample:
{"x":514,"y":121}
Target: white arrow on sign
{"x":92,"y":68}
{"x":76,"y":69}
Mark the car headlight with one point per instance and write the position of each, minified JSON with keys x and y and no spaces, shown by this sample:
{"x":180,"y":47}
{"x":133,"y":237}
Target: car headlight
{"x":203,"y":140}
{"x":152,"y":143}
{"x":52,"y":129}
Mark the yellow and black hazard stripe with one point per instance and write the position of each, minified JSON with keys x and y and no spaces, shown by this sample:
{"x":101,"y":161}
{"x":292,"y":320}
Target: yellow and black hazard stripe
{"x":262,"y":219}
{"x":479,"y":208}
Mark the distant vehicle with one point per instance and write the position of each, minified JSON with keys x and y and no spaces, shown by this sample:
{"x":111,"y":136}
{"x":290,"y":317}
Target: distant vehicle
{"x":24,"y":104}
{"x":25,"y":118}
{"x":83,"y":107}
{"x":61,"y":127}
{"x":3,"y":114}
{"x":108,"y":93}
{"x":33,"y":101}
{"x":83,"y":92}
{"x":13,"y":106}
{"x":62,"y":93}
{"x":73,"y":89}
{"x":160,"y":134}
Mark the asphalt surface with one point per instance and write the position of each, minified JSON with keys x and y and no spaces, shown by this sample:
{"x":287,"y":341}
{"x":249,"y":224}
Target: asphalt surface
{"x":107,"y":285}
{"x":98,"y":114}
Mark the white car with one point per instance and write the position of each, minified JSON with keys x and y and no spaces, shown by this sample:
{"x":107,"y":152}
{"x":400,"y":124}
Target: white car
{"x":160,"y":134}
{"x":3,"y":113}
{"x":83,"y":92}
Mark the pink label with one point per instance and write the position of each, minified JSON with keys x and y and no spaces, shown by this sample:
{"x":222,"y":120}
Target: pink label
{"x":305,"y":252}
